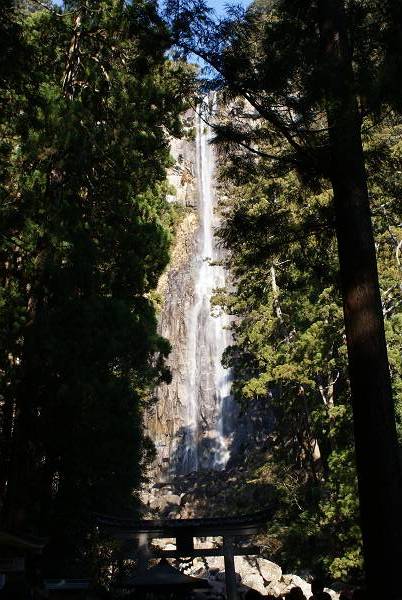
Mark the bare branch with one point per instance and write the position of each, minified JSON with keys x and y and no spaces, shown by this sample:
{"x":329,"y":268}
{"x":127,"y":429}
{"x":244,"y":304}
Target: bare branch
{"x":52,"y":10}
{"x":398,"y":251}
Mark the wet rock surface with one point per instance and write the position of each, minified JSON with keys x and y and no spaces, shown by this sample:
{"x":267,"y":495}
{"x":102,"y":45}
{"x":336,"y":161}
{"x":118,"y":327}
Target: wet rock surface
{"x":176,"y":288}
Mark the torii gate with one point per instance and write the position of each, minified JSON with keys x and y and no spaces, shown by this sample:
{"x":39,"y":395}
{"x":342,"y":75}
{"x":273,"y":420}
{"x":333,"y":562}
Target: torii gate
{"x":138,"y":535}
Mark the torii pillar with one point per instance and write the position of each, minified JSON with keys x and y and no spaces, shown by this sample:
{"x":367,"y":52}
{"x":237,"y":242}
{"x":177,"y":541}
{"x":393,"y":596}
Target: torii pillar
{"x":230,"y":571}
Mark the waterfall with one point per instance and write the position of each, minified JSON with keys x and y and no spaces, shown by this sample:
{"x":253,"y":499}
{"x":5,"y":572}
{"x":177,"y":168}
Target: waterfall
{"x":206,"y":425}
{"x":192,"y":421}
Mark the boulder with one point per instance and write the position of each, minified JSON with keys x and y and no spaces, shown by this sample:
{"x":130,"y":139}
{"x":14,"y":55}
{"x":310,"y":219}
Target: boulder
{"x":169,"y":547}
{"x":296,"y":581}
{"x":215,"y":563}
{"x":173,"y":499}
{"x":220,"y":576}
{"x":334,"y":595}
{"x":255,"y":581}
{"x":269,"y":571}
{"x":252,"y":572}
{"x":164,"y":503}
{"x":276,"y":588}
{"x":257,"y":572}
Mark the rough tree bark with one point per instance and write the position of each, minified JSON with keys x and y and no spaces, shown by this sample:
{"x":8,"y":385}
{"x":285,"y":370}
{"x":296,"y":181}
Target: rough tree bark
{"x":18,"y":507}
{"x":378,"y":464}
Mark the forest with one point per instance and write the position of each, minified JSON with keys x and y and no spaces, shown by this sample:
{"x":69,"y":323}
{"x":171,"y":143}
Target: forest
{"x":307,"y":138}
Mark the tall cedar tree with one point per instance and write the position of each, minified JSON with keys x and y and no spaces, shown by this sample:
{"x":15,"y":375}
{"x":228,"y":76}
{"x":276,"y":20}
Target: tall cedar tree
{"x":373,"y":410}
{"x":85,"y":235}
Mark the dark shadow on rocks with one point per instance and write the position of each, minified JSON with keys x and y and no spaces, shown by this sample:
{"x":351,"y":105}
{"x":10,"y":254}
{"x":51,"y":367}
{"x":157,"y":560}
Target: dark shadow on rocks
{"x":187,"y":485}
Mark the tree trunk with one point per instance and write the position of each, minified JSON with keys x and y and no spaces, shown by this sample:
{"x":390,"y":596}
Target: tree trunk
{"x":377,"y":457}
{"x":19,"y":507}
{"x":6,"y":433}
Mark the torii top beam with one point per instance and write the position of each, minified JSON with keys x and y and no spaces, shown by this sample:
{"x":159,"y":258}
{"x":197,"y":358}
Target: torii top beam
{"x":128,"y":529}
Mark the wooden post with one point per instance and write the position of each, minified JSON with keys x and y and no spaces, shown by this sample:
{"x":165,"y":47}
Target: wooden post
{"x":144,"y":553}
{"x":185,"y":543}
{"x":230,"y":572}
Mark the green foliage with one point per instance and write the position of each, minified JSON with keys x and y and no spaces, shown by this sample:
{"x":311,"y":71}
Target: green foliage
{"x":85,"y":234}
{"x":289,"y":345}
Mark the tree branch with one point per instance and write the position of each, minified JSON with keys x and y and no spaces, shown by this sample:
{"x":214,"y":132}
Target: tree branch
{"x":52,"y":10}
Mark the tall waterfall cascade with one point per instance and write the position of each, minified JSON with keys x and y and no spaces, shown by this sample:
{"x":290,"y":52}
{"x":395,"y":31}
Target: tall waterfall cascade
{"x":205,"y":439}
{"x":193,"y":418}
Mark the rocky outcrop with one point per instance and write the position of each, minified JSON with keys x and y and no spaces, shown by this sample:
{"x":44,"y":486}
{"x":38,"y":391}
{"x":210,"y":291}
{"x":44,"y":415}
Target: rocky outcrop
{"x":253,"y":572}
{"x":176,"y":288}
{"x":232,"y":492}
{"x":182,"y":176}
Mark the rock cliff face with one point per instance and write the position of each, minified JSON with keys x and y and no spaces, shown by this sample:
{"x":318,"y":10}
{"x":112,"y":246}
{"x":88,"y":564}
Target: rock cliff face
{"x":195,"y":424}
{"x":191,"y":424}
{"x":176,"y":287}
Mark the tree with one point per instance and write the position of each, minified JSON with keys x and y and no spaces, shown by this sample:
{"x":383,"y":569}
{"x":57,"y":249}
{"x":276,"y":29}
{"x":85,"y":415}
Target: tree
{"x":289,"y":344}
{"x":85,"y":235}
{"x":373,"y":410}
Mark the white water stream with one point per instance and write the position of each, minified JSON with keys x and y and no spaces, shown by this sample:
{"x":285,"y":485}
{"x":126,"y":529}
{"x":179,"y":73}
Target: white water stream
{"x":207,"y":415}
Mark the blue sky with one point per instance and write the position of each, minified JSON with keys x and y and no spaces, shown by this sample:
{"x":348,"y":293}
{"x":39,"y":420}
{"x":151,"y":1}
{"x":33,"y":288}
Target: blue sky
{"x":219,"y":5}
